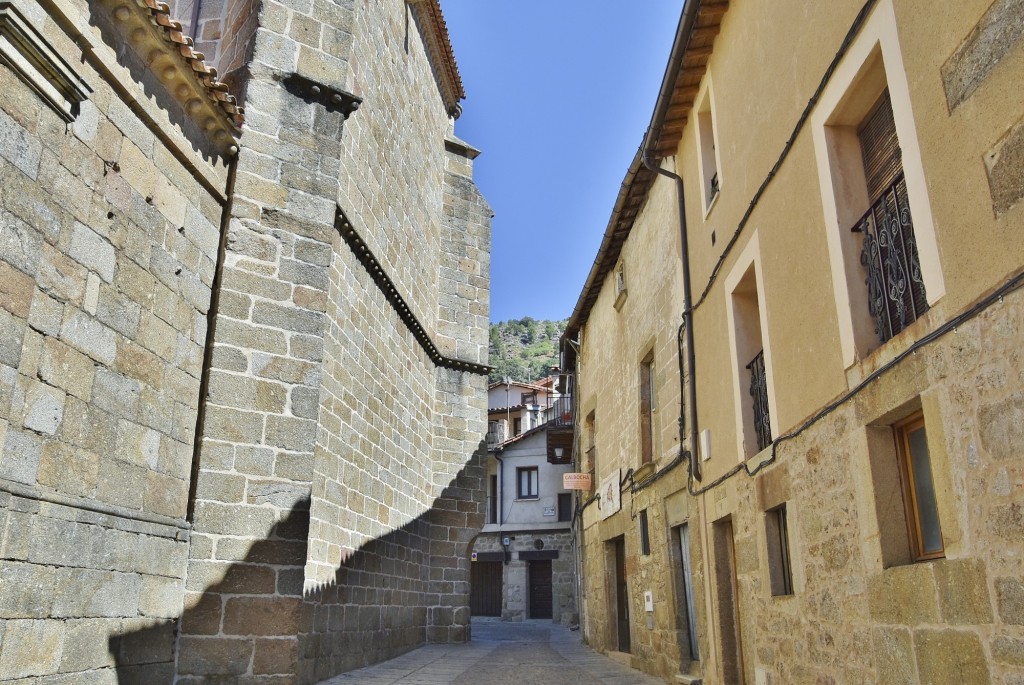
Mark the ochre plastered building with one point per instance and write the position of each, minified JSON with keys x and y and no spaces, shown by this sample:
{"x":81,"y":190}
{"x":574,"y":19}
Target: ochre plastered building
{"x":243,"y":336}
{"x":808,"y":466}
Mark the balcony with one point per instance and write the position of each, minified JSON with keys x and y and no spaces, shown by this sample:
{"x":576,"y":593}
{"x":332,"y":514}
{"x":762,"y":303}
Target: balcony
{"x":759,"y":394}
{"x":560,"y":430}
{"x":896,"y":296}
{"x":497,"y":433}
{"x":560,"y":413}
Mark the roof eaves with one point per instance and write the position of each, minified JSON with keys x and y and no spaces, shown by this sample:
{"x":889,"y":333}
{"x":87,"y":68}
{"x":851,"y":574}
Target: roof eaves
{"x":691,"y":48}
{"x":439,"y":50}
{"x":159,"y":15}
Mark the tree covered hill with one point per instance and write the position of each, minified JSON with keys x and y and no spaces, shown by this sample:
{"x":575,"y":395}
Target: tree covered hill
{"x":524,"y":349}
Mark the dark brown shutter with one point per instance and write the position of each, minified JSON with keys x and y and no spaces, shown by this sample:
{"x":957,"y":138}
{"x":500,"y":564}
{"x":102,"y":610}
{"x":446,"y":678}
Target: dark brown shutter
{"x":646,"y":442}
{"x":880,"y":148}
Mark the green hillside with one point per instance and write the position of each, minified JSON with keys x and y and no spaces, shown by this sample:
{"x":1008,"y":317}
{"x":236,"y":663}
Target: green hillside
{"x":524,"y":349}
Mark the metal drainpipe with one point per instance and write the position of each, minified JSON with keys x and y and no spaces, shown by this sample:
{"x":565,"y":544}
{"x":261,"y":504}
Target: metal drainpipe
{"x":691,"y":389}
{"x":577,"y":518}
{"x":211,"y":331}
{"x":684,"y":33}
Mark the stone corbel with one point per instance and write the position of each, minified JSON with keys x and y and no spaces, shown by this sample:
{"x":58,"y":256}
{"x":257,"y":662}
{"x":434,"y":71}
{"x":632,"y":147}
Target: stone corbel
{"x":37,"y":63}
{"x":332,"y":99}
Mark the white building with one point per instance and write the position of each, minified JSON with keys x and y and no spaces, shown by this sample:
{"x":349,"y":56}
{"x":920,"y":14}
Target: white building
{"x":524,"y":560}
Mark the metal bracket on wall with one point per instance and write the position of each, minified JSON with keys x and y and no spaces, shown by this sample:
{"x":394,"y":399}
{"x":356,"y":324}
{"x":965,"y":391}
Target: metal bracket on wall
{"x":333,"y":99}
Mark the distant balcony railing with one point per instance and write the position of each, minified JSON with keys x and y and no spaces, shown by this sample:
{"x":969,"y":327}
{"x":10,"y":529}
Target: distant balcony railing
{"x":896,"y":296}
{"x":759,"y":394}
{"x":560,"y":413}
{"x":497,"y":433}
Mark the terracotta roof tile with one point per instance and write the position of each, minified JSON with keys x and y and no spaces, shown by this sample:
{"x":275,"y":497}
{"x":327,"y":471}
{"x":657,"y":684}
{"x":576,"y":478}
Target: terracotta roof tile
{"x":171,"y":30}
{"x":439,"y":48}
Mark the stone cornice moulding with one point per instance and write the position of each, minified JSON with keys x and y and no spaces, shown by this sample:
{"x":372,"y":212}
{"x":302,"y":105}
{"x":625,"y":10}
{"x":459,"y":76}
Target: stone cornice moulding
{"x":167,"y":53}
{"x":390,"y":291}
{"x":37,"y":63}
{"x":67,"y":16}
{"x":439,"y":51}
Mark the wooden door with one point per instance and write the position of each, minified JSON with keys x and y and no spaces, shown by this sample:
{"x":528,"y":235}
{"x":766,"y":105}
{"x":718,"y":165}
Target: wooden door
{"x":729,"y":637}
{"x":485,"y":588}
{"x":621,"y":597}
{"x":540,"y":589}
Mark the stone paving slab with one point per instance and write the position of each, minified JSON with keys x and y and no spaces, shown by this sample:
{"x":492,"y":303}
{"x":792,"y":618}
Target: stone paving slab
{"x":523,"y":653}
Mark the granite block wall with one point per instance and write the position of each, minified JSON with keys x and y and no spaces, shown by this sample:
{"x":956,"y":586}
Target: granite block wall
{"x":227,"y":451}
{"x":108,"y":241}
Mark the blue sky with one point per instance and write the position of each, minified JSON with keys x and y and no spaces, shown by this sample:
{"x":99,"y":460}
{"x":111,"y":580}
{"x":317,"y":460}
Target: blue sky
{"x":558,"y":96}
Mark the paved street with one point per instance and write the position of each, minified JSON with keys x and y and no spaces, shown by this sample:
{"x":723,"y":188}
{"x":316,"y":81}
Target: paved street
{"x":526,"y":653}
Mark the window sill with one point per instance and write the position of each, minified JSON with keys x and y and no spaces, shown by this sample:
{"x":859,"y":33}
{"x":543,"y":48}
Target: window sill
{"x":620,"y":299}
{"x":759,"y":458}
{"x":866,"y":364}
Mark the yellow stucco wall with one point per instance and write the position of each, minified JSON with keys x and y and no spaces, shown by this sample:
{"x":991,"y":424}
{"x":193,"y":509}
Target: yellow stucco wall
{"x":854,"y":616}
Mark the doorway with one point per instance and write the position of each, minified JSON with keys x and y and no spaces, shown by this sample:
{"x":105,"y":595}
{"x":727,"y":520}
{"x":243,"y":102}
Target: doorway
{"x":485,"y":581}
{"x":540,"y":589}
{"x":621,"y":603}
{"x":728,"y":603}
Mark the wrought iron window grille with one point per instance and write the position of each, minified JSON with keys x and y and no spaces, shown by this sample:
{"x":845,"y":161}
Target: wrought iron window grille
{"x":759,"y":393}
{"x":896,"y":295}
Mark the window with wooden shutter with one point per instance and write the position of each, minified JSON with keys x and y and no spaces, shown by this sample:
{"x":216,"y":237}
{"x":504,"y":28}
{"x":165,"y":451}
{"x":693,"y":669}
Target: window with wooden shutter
{"x":883,"y":160}
{"x":896,"y":294}
{"x":647,"y":409}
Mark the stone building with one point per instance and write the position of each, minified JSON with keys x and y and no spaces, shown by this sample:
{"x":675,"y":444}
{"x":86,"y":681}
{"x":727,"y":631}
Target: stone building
{"x":524,"y":560}
{"x":243,"y":333}
{"x":797,"y":356}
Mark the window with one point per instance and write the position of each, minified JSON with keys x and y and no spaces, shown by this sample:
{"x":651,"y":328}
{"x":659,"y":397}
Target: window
{"x":896,"y":294}
{"x":780,"y":571}
{"x":645,"y":535}
{"x":687,"y":594}
{"x":752,"y":377}
{"x":492,"y":499}
{"x":647,"y":409}
{"x":906,"y":503}
{"x":707,"y":148}
{"x":620,"y":285}
{"x":517,"y":425}
{"x":565,"y":506}
{"x":526,"y":479}
{"x":590,"y":428}
{"x":874,"y":193}
{"x":919,"y":501}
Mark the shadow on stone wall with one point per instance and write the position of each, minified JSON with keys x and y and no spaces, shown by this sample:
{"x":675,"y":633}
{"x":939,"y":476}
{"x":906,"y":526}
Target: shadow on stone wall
{"x":255,"y":625}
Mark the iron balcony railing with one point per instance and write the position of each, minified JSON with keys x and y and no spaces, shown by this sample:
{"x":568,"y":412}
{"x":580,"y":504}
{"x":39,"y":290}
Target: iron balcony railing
{"x":560,"y":413}
{"x":896,"y":296}
{"x":497,"y":433}
{"x":759,"y":393}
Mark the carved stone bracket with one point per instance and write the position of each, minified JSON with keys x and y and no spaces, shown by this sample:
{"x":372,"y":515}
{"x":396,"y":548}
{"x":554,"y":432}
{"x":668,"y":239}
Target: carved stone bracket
{"x":311,"y":91}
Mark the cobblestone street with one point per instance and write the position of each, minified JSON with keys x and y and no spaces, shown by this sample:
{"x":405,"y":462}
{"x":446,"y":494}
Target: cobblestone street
{"x":525,"y":653}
